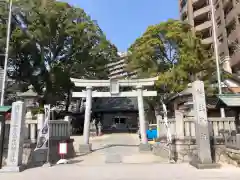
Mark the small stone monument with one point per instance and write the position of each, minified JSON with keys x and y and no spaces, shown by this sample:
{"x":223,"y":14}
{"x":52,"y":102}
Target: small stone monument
{"x":16,"y":138}
{"x":99,"y":125}
{"x":203,"y":160}
{"x":93,"y":129}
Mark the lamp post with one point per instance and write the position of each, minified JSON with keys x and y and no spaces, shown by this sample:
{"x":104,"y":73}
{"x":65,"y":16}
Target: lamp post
{"x":6,"y":53}
{"x":215,"y":42}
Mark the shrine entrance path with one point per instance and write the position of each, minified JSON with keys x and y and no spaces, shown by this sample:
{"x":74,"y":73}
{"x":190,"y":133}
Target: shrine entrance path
{"x":93,"y":166}
{"x":116,"y":148}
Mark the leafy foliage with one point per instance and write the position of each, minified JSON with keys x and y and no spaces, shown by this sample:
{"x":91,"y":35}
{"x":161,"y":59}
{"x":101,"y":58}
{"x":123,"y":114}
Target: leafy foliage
{"x":170,"y":51}
{"x":52,"y":41}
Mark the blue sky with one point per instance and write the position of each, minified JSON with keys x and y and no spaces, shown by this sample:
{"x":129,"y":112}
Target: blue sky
{"x":125,"y":20}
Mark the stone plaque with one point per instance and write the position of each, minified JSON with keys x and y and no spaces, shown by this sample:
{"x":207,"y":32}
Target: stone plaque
{"x":202,"y":129}
{"x":114,"y":86}
{"x":15,"y":146}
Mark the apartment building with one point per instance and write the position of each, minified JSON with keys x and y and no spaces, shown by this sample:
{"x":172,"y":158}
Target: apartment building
{"x":117,"y":70}
{"x":227,"y":17}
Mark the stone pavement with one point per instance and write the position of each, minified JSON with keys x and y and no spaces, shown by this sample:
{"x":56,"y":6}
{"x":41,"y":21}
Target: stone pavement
{"x":130,"y":164}
{"x":124,"y":172}
{"x":117,"y":148}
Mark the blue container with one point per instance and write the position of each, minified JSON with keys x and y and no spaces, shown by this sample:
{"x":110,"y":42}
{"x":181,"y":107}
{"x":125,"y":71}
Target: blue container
{"x":151,"y":134}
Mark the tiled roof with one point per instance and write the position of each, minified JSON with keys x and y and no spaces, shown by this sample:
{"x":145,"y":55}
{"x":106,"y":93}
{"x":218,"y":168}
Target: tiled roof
{"x":229,"y":100}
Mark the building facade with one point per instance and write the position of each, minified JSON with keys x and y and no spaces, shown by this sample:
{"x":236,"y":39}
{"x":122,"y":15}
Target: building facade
{"x":117,"y":70}
{"x":227,"y":17}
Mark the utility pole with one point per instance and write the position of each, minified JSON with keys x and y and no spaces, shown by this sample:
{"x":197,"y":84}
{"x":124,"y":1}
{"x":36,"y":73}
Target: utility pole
{"x":215,"y":42}
{"x":6,"y":53}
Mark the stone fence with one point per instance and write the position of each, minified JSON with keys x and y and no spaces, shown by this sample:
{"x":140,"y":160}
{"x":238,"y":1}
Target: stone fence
{"x":222,"y":131}
{"x":185,"y":127}
{"x":59,"y":130}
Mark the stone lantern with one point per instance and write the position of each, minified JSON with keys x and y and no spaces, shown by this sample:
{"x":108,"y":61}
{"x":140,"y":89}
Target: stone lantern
{"x":30,"y":98}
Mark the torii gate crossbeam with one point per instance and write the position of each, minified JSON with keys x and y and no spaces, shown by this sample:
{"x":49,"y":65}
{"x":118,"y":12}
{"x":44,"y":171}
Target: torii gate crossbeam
{"x":114,"y":85}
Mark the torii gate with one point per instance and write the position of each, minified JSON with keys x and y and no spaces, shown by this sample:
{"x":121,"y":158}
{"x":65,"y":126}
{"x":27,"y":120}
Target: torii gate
{"x":114,"y":86}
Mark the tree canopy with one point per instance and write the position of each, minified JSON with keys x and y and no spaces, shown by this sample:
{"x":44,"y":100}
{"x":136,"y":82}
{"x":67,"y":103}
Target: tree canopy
{"x":172,"y":52}
{"x":52,"y":41}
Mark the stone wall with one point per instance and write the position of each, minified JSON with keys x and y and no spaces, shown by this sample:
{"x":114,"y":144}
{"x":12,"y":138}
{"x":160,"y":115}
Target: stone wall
{"x":33,"y":158}
{"x":185,"y":150}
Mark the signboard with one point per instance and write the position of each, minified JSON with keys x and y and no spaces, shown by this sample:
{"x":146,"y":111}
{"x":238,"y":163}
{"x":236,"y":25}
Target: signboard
{"x":62,"y":150}
{"x":114,"y":86}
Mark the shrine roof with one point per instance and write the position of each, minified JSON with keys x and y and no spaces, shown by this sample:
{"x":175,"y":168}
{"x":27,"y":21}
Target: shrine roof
{"x":4,"y":109}
{"x":228,"y":100}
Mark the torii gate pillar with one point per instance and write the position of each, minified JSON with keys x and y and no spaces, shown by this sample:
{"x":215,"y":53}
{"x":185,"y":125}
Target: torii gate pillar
{"x":114,"y":92}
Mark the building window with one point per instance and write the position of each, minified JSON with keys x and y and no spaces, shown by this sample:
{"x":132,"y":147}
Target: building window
{"x":220,"y":38}
{"x":218,"y":21}
{"x":231,"y":27}
{"x":233,"y":47}
{"x":221,"y":56}
{"x":228,"y":8}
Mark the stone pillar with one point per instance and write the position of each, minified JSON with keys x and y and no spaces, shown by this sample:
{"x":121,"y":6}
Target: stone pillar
{"x":203,"y":160}
{"x":40,"y":121}
{"x":179,"y":124}
{"x":144,"y":146}
{"x":33,"y":133}
{"x":99,"y":128}
{"x":86,"y":147}
{"x":68,"y":119}
{"x":16,"y":138}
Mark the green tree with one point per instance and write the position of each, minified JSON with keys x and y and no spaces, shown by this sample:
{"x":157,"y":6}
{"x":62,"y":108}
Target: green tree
{"x":170,"y":51}
{"x":53,"y":41}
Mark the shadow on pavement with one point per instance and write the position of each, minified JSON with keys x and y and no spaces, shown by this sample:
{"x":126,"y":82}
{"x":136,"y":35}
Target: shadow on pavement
{"x":114,"y":145}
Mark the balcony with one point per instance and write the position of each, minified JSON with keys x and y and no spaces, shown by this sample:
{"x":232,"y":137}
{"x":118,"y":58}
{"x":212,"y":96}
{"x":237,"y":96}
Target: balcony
{"x":208,"y":40}
{"x":218,"y":12}
{"x":220,"y":29}
{"x":222,"y":47}
{"x":234,"y":34}
{"x":235,"y":59}
{"x":117,"y":71}
{"x":195,"y":1}
{"x":231,"y":15}
{"x":201,"y":11}
{"x":203,"y":26}
{"x":226,"y":2}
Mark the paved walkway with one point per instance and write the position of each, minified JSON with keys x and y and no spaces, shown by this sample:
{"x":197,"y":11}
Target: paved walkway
{"x":117,"y":148}
{"x":133,"y":165}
